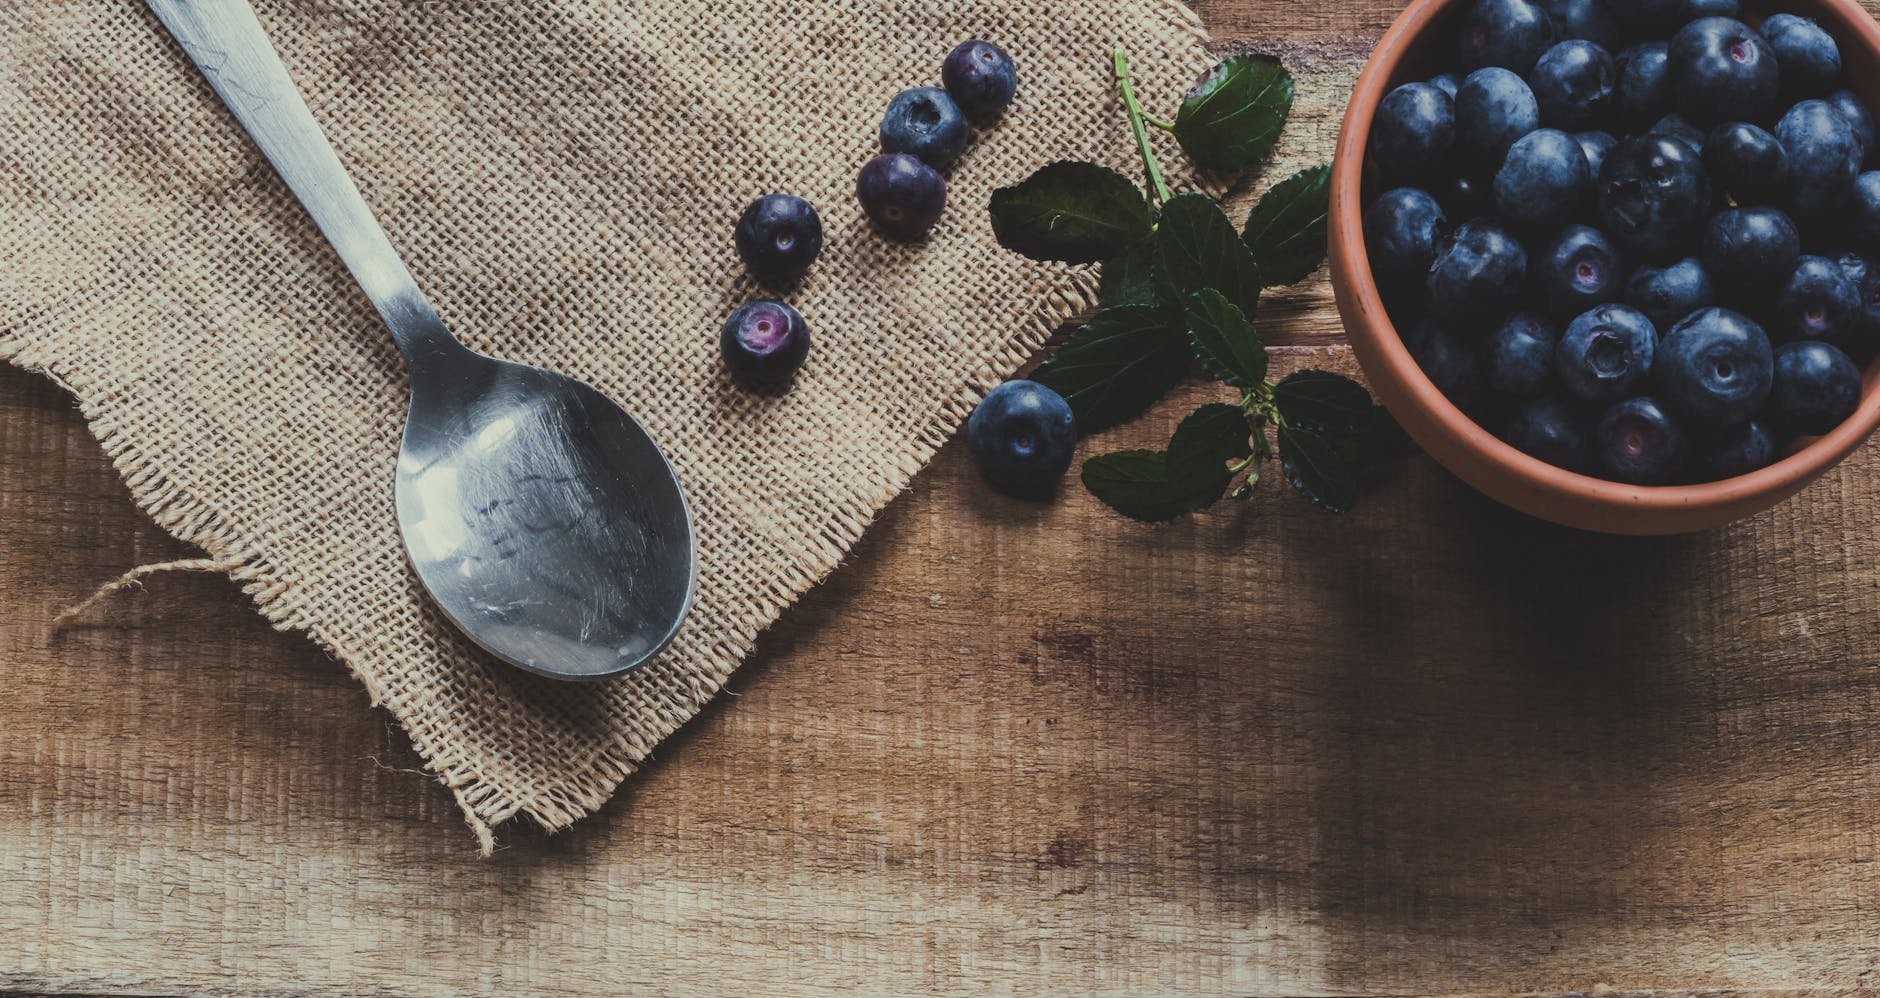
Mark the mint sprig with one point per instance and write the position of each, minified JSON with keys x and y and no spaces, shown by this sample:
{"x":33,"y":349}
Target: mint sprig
{"x":1181,"y":287}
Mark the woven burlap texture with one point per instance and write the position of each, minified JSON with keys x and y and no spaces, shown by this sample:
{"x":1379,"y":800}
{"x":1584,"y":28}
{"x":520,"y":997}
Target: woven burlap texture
{"x":562,"y":177}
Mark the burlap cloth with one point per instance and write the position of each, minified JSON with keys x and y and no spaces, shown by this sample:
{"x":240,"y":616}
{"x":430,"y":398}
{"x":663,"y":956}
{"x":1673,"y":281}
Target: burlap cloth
{"x":562,"y":178}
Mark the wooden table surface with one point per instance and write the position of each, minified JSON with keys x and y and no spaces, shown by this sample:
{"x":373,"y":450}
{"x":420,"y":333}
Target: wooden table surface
{"x":1430,"y":747}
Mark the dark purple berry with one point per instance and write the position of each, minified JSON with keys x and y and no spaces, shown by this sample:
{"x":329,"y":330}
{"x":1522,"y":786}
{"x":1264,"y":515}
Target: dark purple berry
{"x":902,"y":196}
{"x":1817,"y":302}
{"x":1551,"y":429}
{"x":1816,"y":387}
{"x":924,"y":122}
{"x":981,"y":78}
{"x":779,"y":236}
{"x":1640,"y":444}
{"x":1022,"y":437}
{"x":1750,"y":447}
{"x":1720,"y":70}
{"x":1606,"y":354}
{"x":1510,"y":34}
{"x":1411,"y":135}
{"x":765,"y":341}
{"x":1714,"y":368}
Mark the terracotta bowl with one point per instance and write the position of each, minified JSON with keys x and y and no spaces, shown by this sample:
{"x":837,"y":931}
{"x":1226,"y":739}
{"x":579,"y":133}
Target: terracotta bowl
{"x":1415,"y":49}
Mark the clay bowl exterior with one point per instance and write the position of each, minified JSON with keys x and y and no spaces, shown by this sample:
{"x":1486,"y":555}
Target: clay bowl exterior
{"x":1415,"y":48}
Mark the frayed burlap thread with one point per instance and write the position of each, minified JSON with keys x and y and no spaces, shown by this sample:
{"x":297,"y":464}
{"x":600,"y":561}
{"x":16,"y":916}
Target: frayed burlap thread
{"x":562,"y":178}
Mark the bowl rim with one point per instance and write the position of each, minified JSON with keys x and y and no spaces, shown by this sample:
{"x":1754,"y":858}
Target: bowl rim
{"x":1475,"y":454}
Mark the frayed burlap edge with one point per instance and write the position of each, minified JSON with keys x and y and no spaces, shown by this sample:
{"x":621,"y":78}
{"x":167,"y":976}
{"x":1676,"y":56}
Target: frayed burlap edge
{"x":485,"y":805}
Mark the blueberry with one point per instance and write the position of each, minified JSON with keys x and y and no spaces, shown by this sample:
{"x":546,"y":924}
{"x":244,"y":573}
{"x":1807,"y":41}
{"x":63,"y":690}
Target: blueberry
{"x":1411,"y":135}
{"x":1543,"y":181}
{"x":1644,"y":83}
{"x":902,"y":195}
{"x":1866,"y":280}
{"x":1824,"y":158}
{"x":1653,"y":196}
{"x":1817,"y":303}
{"x":1478,"y":274}
{"x":1403,"y":229}
{"x":1521,"y":355}
{"x":1606,"y":354}
{"x":1722,"y":69}
{"x":1863,"y":222}
{"x":1817,"y":387}
{"x":1588,"y":19}
{"x":779,"y":236}
{"x":1667,"y":294}
{"x":1595,"y":145}
{"x":1679,"y":127}
{"x":1577,"y":269}
{"x":1448,"y":83}
{"x":1714,"y":368}
{"x":1859,"y":118}
{"x":1493,"y":109}
{"x":1022,"y":437}
{"x":1640,"y":444}
{"x":1747,"y":448}
{"x":1550,"y":429}
{"x":1746,"y":162}
{"x":1750,"y":251}
{"x":1810,"y":60}
{"x":764,"y":341}
{"x":1510,"y":34}
{"x":924,"y":122}
{"x":1466,"y":197}
{"x":1574,"y":83}
{"x":980,"y":77}
{"x":1452,"y":363}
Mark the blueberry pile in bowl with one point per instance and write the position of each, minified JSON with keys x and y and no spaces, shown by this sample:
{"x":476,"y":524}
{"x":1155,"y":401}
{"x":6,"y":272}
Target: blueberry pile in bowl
{"x":1634,"y":239}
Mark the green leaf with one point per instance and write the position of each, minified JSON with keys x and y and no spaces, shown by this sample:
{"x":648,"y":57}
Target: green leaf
{"x":1118,"y":366}
{"x":1324,"y":401}
{"x":1317,"y":469}
{"x":1071,"y":212}
{"x":1197,"y":247}
{"x":1223,"y":340}
{"x":1135,"y":483}
{"x":1286,"y":230}
{"x":1232,"y":118}
{"x":1130,"y":278}
{"x":1156,"y":486}
{"x":1206,"y":441}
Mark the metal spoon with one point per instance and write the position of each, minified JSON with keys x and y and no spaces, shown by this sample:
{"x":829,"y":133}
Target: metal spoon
{"x":541,"y":518}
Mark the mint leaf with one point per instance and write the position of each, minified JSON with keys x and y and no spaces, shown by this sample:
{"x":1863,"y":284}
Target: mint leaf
{"x":1157,"y":486}
{"x":1197,"y":247}
{"x":1116,"y":367}
{"x":1135,"y":483}
{"x":1232,"y":118}
{"x":1286,"y":230}
{"x":1130,"y":278}
{"x":1321,"y":400}
{"x":1315,"y":466}
{"x":1223,"y":340}
{"x":1070,"y":212}
{"x":1206,"y":441}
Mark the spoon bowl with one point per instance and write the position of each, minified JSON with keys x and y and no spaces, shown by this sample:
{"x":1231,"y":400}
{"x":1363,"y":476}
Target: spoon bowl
{"x":540,"y":518}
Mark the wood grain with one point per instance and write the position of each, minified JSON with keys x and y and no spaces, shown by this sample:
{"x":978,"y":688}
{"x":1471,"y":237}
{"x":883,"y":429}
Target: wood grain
{"x":1432,"y":747}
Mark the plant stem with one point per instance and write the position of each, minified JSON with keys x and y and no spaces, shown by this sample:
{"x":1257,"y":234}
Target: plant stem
{"x":1167,"y":126}
{"x":1137,"y":126}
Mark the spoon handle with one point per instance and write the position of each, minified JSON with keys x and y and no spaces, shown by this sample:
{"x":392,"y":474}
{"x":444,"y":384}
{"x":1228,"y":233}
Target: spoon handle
{"x":226,"y":41}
